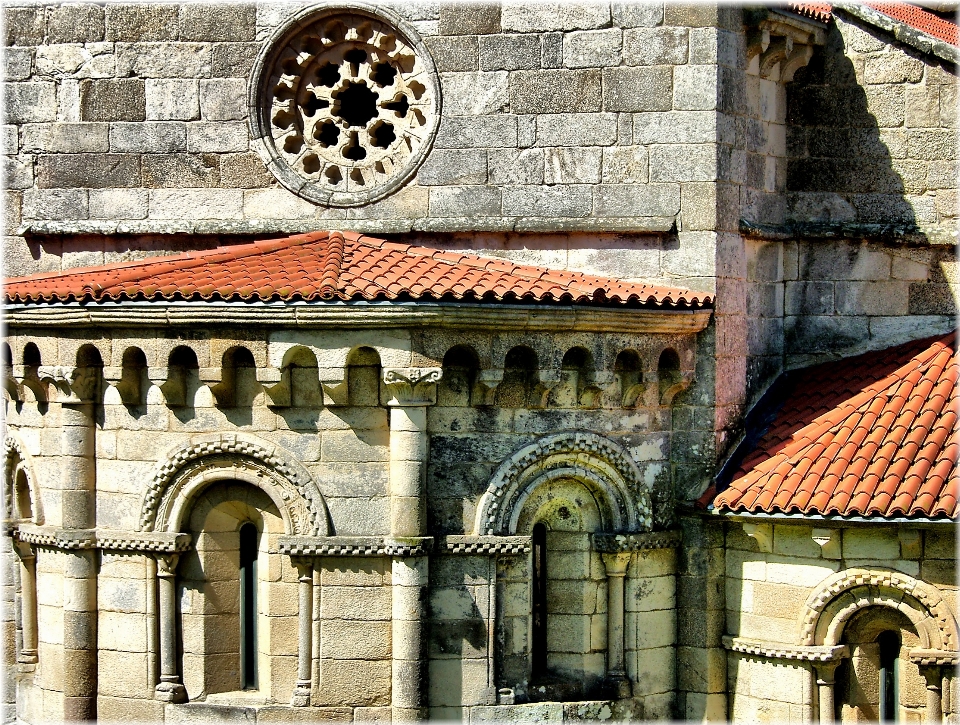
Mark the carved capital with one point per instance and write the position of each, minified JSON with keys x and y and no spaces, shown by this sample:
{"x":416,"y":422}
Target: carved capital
{"x":167,"y":564}
{"x":412,"y":386}
{"x":616,"y":563}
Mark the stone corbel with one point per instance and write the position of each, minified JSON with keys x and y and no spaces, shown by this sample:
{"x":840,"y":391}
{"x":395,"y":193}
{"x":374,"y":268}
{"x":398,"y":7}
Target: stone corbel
{"x":828,"y":541}
{"x":762,"y":534}
{"x":276,"y":386}
{"x":128,"y":382}
{"x":333,"y":383}
{"x":411,"y":386}
{"x":10,"y":383}
{"x":173,"y":388}
{"x":669,"y":389}
{"x":784,"y":42}
{"x":68,"y":384}
{"x":487,"y":383}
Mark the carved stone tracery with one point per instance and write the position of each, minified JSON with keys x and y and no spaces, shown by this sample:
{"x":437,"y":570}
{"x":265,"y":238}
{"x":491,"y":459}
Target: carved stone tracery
{"x":345,"y":102}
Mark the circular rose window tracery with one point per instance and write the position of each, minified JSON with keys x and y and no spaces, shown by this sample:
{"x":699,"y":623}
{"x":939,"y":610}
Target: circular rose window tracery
{"x":345,"y":103}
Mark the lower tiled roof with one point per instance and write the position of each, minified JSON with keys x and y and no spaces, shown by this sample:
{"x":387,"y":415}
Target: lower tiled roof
{"x":874,"y":435}
{"x":339,"y":265}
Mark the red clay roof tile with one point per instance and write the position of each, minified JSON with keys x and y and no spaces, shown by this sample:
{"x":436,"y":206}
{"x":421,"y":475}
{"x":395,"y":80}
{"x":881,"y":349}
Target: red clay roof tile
{"x":881,"y":440}
{"x":341,"y":265}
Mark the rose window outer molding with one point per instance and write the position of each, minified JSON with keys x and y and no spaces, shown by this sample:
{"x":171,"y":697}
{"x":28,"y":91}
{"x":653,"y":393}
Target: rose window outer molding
{"x":344,"y":103}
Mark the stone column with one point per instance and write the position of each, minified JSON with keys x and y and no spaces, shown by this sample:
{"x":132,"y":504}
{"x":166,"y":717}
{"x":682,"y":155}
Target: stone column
{"x":78,"y":494}
{"x":169,"y":689}
{"x":616,"y":565}
{"x":411,"y":391}
{"x":28,"y":603}
{"x":301,"y":693}
{"x":932,"y":674}
{"x":825,"y":684}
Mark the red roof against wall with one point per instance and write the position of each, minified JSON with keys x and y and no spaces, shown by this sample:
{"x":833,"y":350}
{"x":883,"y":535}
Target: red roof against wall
{"x":873,"y":435}
{"x":342,"y":266}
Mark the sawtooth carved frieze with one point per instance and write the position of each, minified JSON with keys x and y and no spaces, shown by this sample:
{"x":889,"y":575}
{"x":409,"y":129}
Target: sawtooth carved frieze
{"x":344,"y":103}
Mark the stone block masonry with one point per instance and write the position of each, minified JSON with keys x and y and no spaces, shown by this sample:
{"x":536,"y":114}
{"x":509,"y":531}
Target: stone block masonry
{"x":163,"y":90}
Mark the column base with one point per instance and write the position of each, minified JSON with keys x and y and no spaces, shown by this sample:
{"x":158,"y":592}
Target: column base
{"x":301,"y":695}
{"x":27,"y":657}
{"x":617,"y":687}
{"x":408,"y":714}
{"x":170,"y":692}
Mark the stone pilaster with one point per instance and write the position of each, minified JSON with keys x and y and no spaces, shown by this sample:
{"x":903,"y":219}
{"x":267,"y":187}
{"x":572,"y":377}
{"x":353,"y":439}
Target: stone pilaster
{"x":826,"y":672}
{"x":78,"y":481}
{"x":411,"y":390}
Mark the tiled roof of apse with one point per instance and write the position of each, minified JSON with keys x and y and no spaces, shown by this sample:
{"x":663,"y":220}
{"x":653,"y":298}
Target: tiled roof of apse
{"x":869,"y":436}
{"x":339,"y":266}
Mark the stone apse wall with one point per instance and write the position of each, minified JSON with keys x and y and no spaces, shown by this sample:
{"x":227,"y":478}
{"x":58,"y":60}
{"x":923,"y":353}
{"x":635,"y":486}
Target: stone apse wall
{"x":313,"y":434}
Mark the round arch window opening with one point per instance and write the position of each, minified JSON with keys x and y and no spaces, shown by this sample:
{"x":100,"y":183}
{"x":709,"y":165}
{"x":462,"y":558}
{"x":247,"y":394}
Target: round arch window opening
{"x":345,"y":104}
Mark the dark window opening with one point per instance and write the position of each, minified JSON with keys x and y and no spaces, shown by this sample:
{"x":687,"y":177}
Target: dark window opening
{"x":328,"y":75}
{"x":399,"y":106}
{"x":356,"y":104}
{"x":889,"y":643}
{"x":539,"y":635}
{"x":248,"y":606}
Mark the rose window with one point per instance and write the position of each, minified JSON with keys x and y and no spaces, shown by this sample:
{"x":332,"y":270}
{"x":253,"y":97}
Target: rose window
{"x":347,"y":105}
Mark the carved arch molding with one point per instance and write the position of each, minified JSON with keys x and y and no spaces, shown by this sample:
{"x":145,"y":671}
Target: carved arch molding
{"x":188,"y":470}
{"x":842,"y":595}
{"x":602,"y":465}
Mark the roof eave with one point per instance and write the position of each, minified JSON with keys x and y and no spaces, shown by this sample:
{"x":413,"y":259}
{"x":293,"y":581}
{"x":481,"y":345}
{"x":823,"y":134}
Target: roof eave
{"x":900,"y":30}
{"x":531,"y":317}
{"x":828,"y":519}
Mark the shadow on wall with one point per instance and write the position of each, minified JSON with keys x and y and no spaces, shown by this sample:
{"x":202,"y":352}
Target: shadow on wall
{"x":841,"y":169}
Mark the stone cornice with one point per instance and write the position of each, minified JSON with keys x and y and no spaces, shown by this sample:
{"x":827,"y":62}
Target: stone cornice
{"x":777,"y":650}
{"x":540,"y":318}
{"x":637,"y":225}
{"x":73,"y":539}
{"x":812,"y":231}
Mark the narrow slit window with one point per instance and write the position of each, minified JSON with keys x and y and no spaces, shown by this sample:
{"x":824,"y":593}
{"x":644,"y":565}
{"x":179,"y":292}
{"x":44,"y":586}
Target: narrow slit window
{"x":889,"y":643}
{"x":539,"y":638}
{"x":248,"y":606}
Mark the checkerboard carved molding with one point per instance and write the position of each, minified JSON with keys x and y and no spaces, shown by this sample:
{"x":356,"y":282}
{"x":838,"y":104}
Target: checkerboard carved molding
{"x":353,"y":546}
{"x":486,"y":545}
{"x":344,"y":103}
{"x":841,"y":595}
{"x":72,"y":539}
{"x":776,"y":650}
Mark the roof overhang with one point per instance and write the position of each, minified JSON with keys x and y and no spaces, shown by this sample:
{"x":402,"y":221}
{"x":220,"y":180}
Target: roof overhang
{"x":340,"y":314}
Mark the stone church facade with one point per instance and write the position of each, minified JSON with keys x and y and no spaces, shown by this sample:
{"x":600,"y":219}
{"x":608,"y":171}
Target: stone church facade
{"x":487,"y":362}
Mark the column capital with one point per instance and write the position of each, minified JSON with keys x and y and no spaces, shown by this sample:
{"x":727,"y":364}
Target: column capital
{"x":616,"y":563}
{"x":412,"y":386}
{"x":826,"y":671}
{"x":166,"y":564}
{"x":24,"y":550}
{"x":304,"y":565}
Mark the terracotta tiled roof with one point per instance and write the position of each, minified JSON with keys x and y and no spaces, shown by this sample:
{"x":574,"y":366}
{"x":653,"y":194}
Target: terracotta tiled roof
{"x":335,"y":265}
{"x":919,"y":19}
{"x":910,"y":15}
{"x":817,"y":11}
{"x":873,"y":435}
